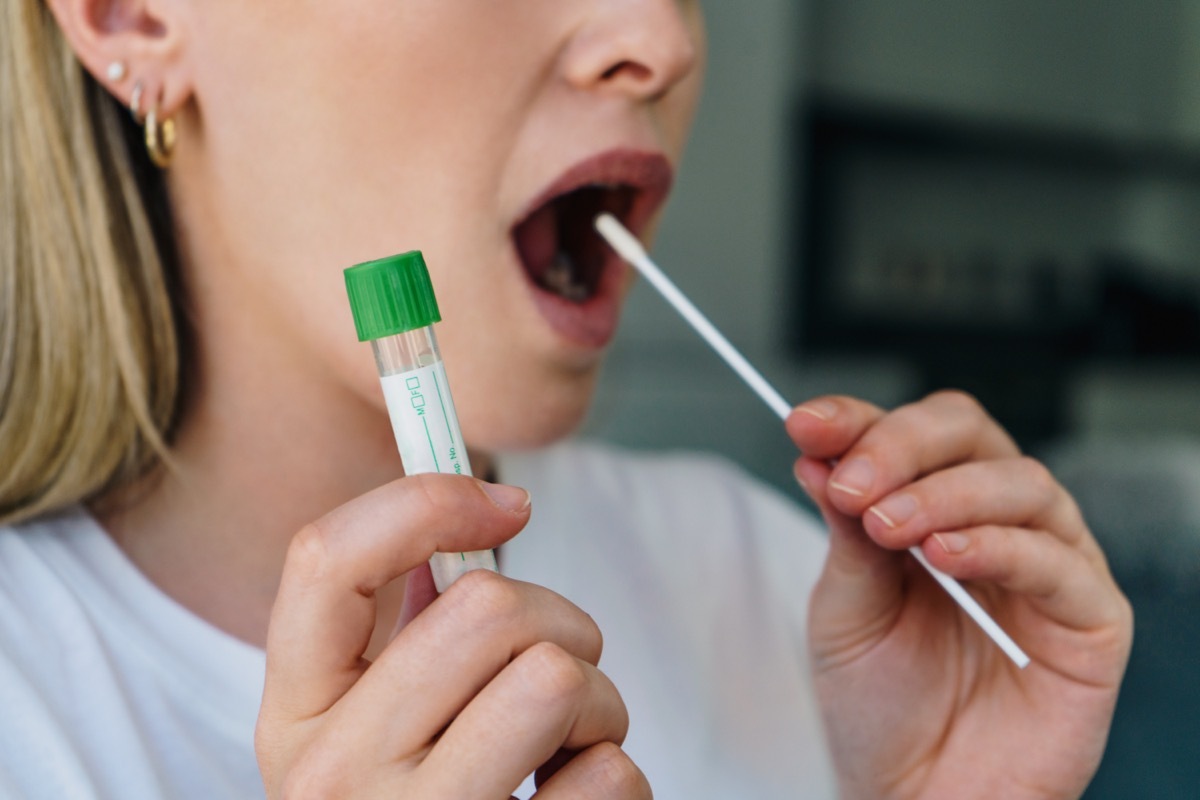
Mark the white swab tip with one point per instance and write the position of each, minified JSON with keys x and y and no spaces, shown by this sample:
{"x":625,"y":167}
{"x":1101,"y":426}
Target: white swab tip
{"x":619,"y":237}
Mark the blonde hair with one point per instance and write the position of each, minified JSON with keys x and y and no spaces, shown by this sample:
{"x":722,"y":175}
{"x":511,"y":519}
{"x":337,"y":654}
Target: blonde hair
{"x":89,"y":350}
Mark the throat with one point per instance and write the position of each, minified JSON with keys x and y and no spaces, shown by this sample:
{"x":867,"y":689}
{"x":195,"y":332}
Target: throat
{"x":559,"y":247}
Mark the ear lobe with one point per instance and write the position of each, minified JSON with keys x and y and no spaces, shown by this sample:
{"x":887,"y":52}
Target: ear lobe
{"x":145,"y":37}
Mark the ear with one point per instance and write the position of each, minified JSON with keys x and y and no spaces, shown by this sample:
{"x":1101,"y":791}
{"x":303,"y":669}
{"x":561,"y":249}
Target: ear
{"x":145,"y":37}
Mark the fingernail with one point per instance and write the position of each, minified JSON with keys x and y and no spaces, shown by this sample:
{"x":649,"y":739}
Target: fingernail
{"x":895,"y":510}
{"x":510,"y":498}
{"x":953,"y":543}
{"x":854,"y":477}
{"x":821,"y":409}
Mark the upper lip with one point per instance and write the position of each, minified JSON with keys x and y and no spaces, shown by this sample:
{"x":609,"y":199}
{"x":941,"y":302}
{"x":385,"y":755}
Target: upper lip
{"x":649,"y":174}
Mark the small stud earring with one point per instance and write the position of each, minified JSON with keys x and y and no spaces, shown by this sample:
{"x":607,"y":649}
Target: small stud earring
{"x":115,"y":71}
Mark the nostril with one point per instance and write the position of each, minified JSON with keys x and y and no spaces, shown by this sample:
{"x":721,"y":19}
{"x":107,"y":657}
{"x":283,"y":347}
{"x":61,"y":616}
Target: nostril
{"x":632,"y":69}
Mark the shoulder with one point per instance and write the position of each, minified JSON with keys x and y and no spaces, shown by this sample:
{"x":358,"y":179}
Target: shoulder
{"x":31,"y":557}
{"x":43,"y":633}
{"x":41,"y":608}
{"x":104,"y":679}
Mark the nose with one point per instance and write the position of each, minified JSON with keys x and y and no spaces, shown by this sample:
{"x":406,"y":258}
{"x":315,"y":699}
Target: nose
{"x":640,"y":48}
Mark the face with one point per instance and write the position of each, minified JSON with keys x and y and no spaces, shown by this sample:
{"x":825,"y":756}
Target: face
{"x":486,"y":133}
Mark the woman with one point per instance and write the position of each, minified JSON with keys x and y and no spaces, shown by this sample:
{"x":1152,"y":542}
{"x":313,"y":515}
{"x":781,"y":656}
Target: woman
{"x":201,"y":464}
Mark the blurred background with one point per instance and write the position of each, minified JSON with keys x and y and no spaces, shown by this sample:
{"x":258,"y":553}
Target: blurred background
{"x":887,"y":197}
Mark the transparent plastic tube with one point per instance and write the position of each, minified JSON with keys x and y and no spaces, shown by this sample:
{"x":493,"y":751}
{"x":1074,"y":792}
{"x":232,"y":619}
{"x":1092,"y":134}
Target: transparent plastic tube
{"x":394,"y":308}
{"x":426,"y":427}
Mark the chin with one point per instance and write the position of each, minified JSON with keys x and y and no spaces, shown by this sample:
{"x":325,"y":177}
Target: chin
{"x":530,"y":422}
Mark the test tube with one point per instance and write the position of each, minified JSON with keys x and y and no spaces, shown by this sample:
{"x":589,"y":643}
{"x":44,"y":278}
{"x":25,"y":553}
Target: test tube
{"x":394,"y":309}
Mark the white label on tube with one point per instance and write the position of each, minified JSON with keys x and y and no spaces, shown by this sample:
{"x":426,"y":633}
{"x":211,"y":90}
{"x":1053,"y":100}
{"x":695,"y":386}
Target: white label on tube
{"x":424,"y":421}
{"x":427,"y":434}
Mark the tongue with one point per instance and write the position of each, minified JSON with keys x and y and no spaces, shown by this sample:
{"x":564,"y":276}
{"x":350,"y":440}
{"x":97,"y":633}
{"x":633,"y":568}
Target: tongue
{"x":537,"y":241}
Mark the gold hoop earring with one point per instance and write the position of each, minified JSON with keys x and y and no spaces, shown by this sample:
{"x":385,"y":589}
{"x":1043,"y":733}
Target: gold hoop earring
{"x":160,"y":138}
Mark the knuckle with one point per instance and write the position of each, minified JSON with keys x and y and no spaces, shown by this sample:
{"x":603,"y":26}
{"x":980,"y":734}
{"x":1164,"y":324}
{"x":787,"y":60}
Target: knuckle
{"x":957,"y":400}
{"x":311,"y":776}
{"x":996,"y":536}
{"x":300,"y":784}
{"x":266,"y":739}
{"x":996,"y":548}
{"x":432,"y":490}
{"x":1039,"y":476}
{"x":308,"y":552}
{"x":482,"y":594}
{"x":444,"y":496}
{"x":593,"y":638}
{"x":842,"y":401}
{"x":615,"y":772}
{"x":559,"y":676}
{"x":1125,"y":616}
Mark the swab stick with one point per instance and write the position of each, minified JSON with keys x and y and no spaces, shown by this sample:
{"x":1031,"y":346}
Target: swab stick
{"x":630,"y":249}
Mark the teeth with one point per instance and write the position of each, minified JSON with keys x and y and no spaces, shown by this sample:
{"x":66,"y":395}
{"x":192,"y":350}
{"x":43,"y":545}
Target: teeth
{"x":560,"y":278}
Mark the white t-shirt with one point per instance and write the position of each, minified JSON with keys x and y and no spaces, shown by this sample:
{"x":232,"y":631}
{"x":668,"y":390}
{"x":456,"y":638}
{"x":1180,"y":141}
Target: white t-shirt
{"x":697,"y":576}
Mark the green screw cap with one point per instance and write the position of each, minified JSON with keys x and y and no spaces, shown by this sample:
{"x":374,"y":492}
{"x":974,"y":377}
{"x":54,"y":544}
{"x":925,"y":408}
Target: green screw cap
{"x":391,"y":295}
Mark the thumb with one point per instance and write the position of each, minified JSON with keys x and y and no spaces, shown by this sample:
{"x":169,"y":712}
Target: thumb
{"x":861,"y":586}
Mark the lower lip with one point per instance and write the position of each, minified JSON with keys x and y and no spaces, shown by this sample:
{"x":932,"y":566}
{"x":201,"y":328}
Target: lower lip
{"x":591,"y":324}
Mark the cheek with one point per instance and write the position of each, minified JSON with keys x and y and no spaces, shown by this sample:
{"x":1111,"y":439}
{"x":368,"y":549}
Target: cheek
{"x":342,"y":136}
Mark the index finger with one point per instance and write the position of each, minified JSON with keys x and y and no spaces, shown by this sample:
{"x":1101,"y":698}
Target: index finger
{"x":825,"y":427}
{"x":325,"y":610}
{"x":880,"y":452}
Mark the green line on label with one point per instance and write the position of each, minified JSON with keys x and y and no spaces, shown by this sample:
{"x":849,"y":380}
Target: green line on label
{"x":432,"y":450}
{"x":437,"y":387}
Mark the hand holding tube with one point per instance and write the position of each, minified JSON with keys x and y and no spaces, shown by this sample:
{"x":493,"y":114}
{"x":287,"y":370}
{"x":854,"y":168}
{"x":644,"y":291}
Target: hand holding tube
{"x":490,"y":682}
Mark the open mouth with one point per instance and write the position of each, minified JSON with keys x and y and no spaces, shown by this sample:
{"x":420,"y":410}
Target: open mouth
{"x":558,"y":245}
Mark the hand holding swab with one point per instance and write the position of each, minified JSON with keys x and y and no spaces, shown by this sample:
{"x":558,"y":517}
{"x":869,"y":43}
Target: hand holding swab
{"x":630,"y":249}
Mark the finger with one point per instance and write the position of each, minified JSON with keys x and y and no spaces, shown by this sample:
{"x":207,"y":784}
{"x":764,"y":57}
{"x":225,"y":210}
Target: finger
{"x":1058,"y":581}
{"x":419,"y":592}
{"x":600,"y":772}
{"x":859,"y":592}
{"x":451,"y":651}
{"x":825,"y":427}
{"x":943,"y":430}
{"x":1017,"y":492}
{"x":325,"y":610}
{"x":546,"y":699}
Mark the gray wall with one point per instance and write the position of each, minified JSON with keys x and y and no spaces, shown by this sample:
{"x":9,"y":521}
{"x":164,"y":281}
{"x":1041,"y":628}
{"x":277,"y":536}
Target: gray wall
{"x":1113,"y":66}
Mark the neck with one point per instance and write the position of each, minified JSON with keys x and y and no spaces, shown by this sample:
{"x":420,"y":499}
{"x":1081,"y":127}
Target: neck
{"x":265,"y":447}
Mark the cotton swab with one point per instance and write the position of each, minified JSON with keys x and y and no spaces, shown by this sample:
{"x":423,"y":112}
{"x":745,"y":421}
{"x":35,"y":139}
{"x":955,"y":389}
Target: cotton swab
{"x":630,"y":249}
